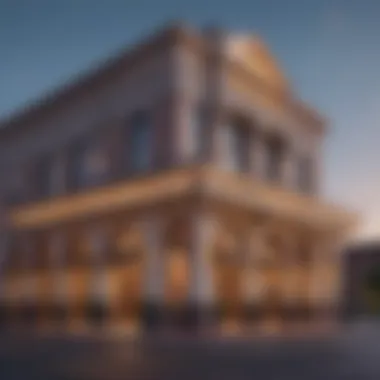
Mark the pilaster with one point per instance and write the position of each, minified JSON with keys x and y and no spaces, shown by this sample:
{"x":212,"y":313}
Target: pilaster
{"x":28,"y":299}
{"x":257,"y":155}
{"x":184,"y":142}
{"x":58,"y":179}
{"x":325,"y":283}
{"x":153,"y":231}
{"x":290,"y":273}
{"x":289,"y":165}
{"x":253,"y":280}
{"x":99,"y":288}
{"x":58,"y":260}
{"x":202,"y":293}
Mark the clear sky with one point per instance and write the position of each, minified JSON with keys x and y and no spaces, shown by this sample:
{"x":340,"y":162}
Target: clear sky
{"x":329,"y":49}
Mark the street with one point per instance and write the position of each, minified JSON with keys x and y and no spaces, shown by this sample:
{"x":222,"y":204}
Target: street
{"x":350,"y":355}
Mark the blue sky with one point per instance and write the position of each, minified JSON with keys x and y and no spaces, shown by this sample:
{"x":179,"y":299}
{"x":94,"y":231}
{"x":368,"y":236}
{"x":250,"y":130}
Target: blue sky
{"x":329,"y":49}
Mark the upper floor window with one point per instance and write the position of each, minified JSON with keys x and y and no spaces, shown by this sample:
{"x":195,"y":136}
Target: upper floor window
{"x":87,"y":164}
{"x":95,"y":165}
{"x":141,"y":142}
{"x":76,"y":167}
{"x":236,"y":142}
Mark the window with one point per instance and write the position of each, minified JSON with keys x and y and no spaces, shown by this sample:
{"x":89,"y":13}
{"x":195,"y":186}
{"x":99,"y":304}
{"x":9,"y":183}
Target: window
{"x":236,"y":140}
{"x":76,"y":165}
{"x":95,"y":165}
{"x":88,"y":164}
{"x":141,"y":142}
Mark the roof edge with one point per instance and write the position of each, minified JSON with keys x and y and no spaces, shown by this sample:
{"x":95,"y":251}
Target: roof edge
{"x":11,"y":124}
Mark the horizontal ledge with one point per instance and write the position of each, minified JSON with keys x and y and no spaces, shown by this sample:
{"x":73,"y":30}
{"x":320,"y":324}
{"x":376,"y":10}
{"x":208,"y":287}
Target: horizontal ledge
{"x":130,"y":193}
{"x":215,"y":184}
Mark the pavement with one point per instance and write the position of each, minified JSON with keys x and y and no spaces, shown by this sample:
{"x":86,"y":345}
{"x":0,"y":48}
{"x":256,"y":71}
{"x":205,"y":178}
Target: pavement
{"x":352,"y":353}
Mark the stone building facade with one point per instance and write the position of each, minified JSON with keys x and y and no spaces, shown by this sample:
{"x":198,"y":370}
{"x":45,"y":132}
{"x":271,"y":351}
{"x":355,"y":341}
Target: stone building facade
{"x":177,"y":185}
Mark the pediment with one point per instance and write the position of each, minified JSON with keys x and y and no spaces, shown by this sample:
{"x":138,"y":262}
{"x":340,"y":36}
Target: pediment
{"x":256,"y":57}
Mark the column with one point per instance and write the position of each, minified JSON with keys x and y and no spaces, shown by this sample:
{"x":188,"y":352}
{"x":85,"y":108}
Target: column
{"x":201,"y":292}
{"x":181,"y":106}
{"x":325,"y":279}
{"x":153,"y":229}
{"x":183,"y":129}
{"x":257,"y":155}
{"x":316,"y":169}
{"x":99,"y":281}
{"x":29,"y":302}
{"x":58,"y":175}
{"x":218,"y":138}
{"x":291,"y":277}
{"x":58,"y":266}
{"x":215,"y":91}
{"x":289,"y":166}
{"x":253,"y":281}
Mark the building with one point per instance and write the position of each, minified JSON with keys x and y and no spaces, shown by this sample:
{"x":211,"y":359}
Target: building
{"x":178,"y":185}
{"x":360,"y":262}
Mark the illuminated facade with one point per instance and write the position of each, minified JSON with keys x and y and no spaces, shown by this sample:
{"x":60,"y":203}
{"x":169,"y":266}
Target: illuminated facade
{"x":178,"y":185}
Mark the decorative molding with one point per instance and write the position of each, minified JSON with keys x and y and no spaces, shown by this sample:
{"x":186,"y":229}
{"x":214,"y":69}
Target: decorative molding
{"x":111,"y":198}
